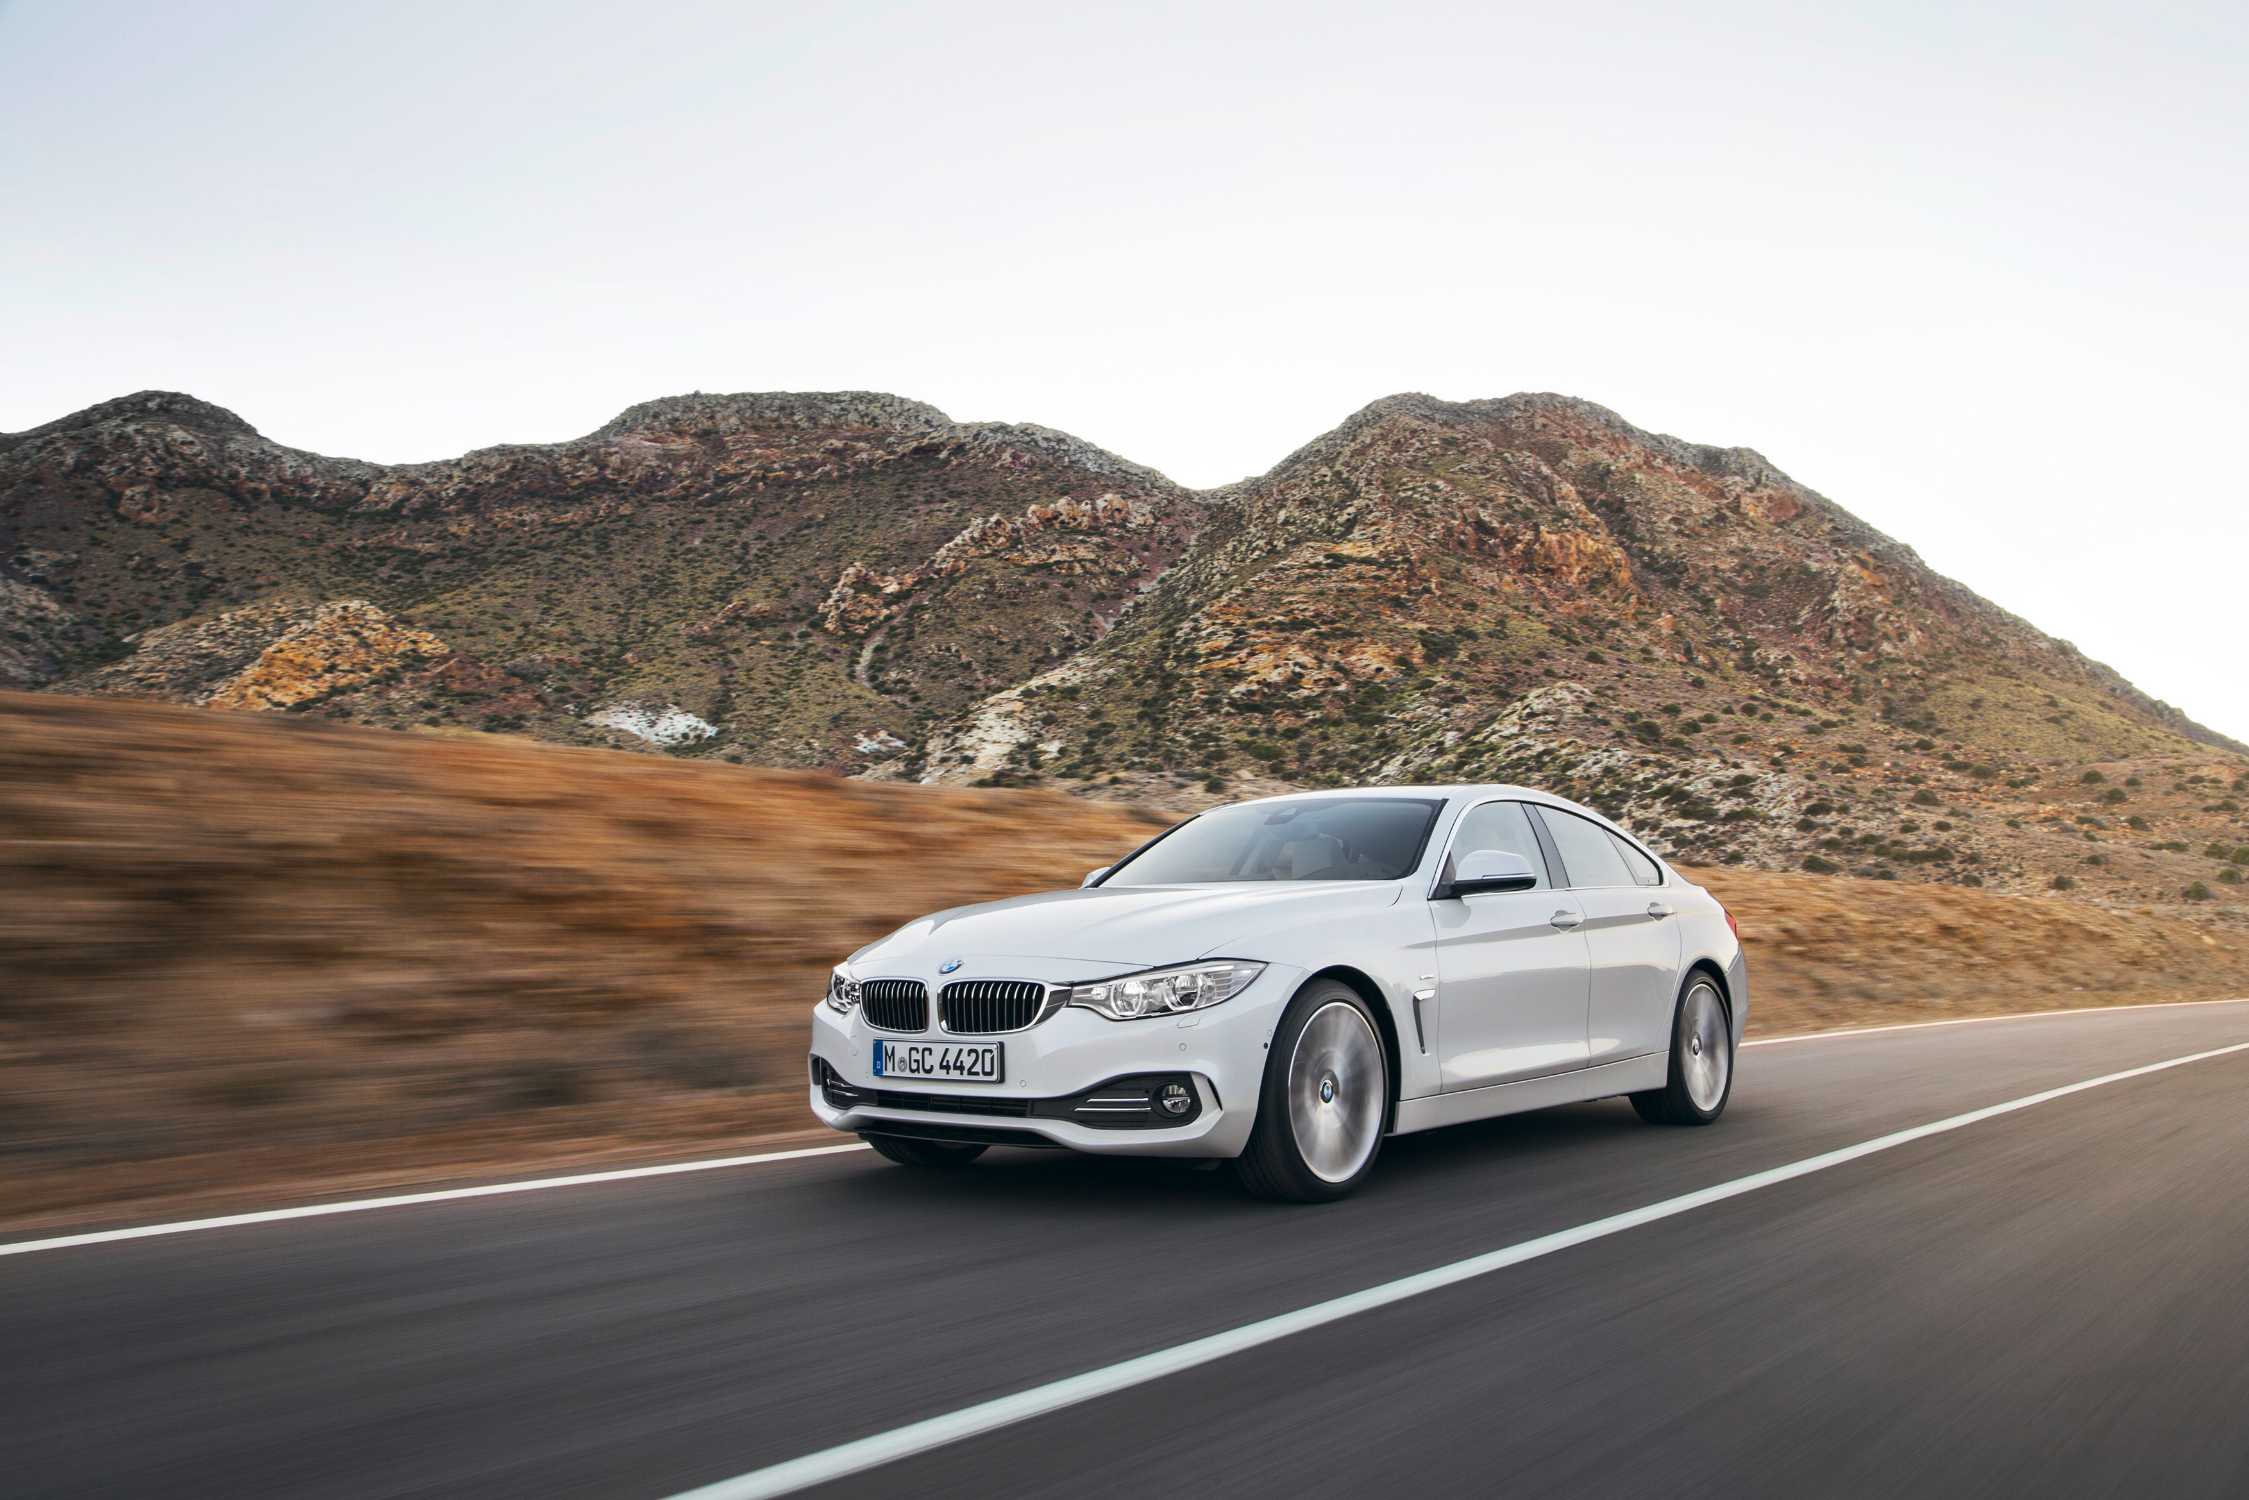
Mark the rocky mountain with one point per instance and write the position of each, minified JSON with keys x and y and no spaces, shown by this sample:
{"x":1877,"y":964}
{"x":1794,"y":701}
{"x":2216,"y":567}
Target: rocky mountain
{"x":1518,"y":589}
{"x":794,"y":580}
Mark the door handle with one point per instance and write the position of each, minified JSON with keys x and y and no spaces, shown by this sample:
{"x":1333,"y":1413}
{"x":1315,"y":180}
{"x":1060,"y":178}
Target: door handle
{"x":1565,"y":920}
{"x":1658,"y":910}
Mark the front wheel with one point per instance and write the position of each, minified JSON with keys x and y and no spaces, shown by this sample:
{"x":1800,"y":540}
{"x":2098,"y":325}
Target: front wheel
{"x":1325,"y":1099}
{"x":908,"y":1152}
{"x":1701,"y":1079}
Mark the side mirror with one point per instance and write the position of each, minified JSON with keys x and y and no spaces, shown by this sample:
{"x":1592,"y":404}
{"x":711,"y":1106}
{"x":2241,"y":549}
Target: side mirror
{"x":1482,"y":870}
{"x":1093,"y":877}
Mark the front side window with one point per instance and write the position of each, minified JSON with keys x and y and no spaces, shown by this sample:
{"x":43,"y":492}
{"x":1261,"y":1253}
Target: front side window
{"x":1498,"y":825}
{"x":1588,"y":853}
{"x":1297,"y":838}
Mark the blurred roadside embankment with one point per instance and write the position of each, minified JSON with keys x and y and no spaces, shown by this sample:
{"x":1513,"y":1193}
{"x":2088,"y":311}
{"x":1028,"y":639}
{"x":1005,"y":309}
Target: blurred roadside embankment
{"x":247,"y":959}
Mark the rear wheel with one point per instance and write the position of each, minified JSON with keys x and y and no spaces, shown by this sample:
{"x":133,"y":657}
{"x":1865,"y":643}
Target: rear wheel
{"x":1324,"y":1102}
{"x":908,"y":1152}
{"x":1701,"y":1079}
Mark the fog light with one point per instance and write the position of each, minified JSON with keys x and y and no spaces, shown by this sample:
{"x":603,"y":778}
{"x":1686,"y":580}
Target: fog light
{"x":1175,"y":1099}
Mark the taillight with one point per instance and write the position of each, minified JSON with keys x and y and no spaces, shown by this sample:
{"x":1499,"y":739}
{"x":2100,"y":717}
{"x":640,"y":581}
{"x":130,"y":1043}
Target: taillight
{"x":1731,"y":924}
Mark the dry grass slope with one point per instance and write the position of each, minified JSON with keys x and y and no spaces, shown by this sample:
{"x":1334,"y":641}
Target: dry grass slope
{"x":252,"y":957}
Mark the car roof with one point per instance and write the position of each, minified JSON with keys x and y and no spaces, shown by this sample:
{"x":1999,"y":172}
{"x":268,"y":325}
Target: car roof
{"x":1468,"y":791}
{"x":1448,"y":791}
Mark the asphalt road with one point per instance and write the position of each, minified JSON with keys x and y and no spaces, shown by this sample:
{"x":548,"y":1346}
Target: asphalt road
{"x":2053,"y":1301}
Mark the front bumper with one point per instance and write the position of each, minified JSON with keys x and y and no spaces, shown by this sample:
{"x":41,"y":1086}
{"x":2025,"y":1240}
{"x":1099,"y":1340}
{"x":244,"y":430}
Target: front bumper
{"x":1221,"y":1050}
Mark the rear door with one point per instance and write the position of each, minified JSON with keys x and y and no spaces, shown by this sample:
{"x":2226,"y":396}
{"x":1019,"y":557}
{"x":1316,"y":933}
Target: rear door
{"x":1631,"y":939}
{"x":1511,"y":981}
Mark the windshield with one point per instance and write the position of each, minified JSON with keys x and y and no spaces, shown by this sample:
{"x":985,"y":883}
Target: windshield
{"x":1304,"y":838}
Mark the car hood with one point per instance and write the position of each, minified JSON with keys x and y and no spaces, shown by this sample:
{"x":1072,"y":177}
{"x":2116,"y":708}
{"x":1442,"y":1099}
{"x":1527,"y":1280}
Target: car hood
{"x":1066,"y":935}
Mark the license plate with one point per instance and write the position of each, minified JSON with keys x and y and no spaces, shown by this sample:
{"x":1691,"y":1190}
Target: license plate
{"x":954,"y":1062}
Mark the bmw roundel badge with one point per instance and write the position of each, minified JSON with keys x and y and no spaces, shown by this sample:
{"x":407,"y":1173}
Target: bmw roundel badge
{"x":948,"y":966}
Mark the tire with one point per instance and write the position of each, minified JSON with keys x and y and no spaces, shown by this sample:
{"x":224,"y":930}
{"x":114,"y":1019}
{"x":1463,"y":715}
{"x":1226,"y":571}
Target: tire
{"x":908,"y":1152}
{"x":1701,"y":1076}
{"x":1324,"y":1101}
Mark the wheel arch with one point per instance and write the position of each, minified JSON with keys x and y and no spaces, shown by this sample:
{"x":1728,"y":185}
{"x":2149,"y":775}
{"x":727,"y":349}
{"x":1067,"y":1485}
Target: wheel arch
{"x":1385,"y":1026}
{"x":1718,"y":982}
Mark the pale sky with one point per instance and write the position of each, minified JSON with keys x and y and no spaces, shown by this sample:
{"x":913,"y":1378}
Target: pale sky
{"x":1975,"y":272}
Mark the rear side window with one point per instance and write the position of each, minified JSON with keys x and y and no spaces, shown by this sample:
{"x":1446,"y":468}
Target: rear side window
{"x":1498,"y":825}
{"x":1644,"y":870}
{"x":1589,"y":855}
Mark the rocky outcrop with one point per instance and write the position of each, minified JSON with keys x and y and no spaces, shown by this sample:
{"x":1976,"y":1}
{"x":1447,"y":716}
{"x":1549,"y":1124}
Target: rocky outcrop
{"x":1576,"y":562}
{"x":35,"y":631}
{"x":346,"y":643}
{"x":863,"y":599}
{"x":1067,"y":537}
{"x":271,"y":656}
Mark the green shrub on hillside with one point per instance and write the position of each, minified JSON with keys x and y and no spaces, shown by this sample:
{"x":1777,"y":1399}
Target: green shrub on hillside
{"x":1437,"y":645}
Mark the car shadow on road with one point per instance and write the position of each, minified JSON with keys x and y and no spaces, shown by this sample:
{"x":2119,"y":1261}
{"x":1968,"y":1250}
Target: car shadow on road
{"x":1525,"y":1147}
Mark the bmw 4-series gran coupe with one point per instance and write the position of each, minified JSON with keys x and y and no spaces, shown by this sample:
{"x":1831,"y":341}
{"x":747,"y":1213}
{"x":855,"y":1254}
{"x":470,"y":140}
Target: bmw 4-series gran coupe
{"x":1283,"y":983}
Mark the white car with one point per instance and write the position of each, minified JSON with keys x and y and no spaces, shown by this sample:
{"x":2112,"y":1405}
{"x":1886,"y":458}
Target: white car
{"x":1283,"y":983}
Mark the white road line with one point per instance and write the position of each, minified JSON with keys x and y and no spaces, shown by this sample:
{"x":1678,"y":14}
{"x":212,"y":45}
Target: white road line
{"x":972,"y":1421}
{"x":2020,"y":1015}
{"x":404,"y":1200}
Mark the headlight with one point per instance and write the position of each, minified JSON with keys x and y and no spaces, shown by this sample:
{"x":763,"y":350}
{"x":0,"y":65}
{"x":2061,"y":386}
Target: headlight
{"x":843,"y":990}
{"x":1164,"y":992}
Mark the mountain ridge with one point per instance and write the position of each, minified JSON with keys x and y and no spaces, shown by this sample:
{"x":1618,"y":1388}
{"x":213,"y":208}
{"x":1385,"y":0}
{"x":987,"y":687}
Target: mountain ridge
{"x":713,"y":413}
